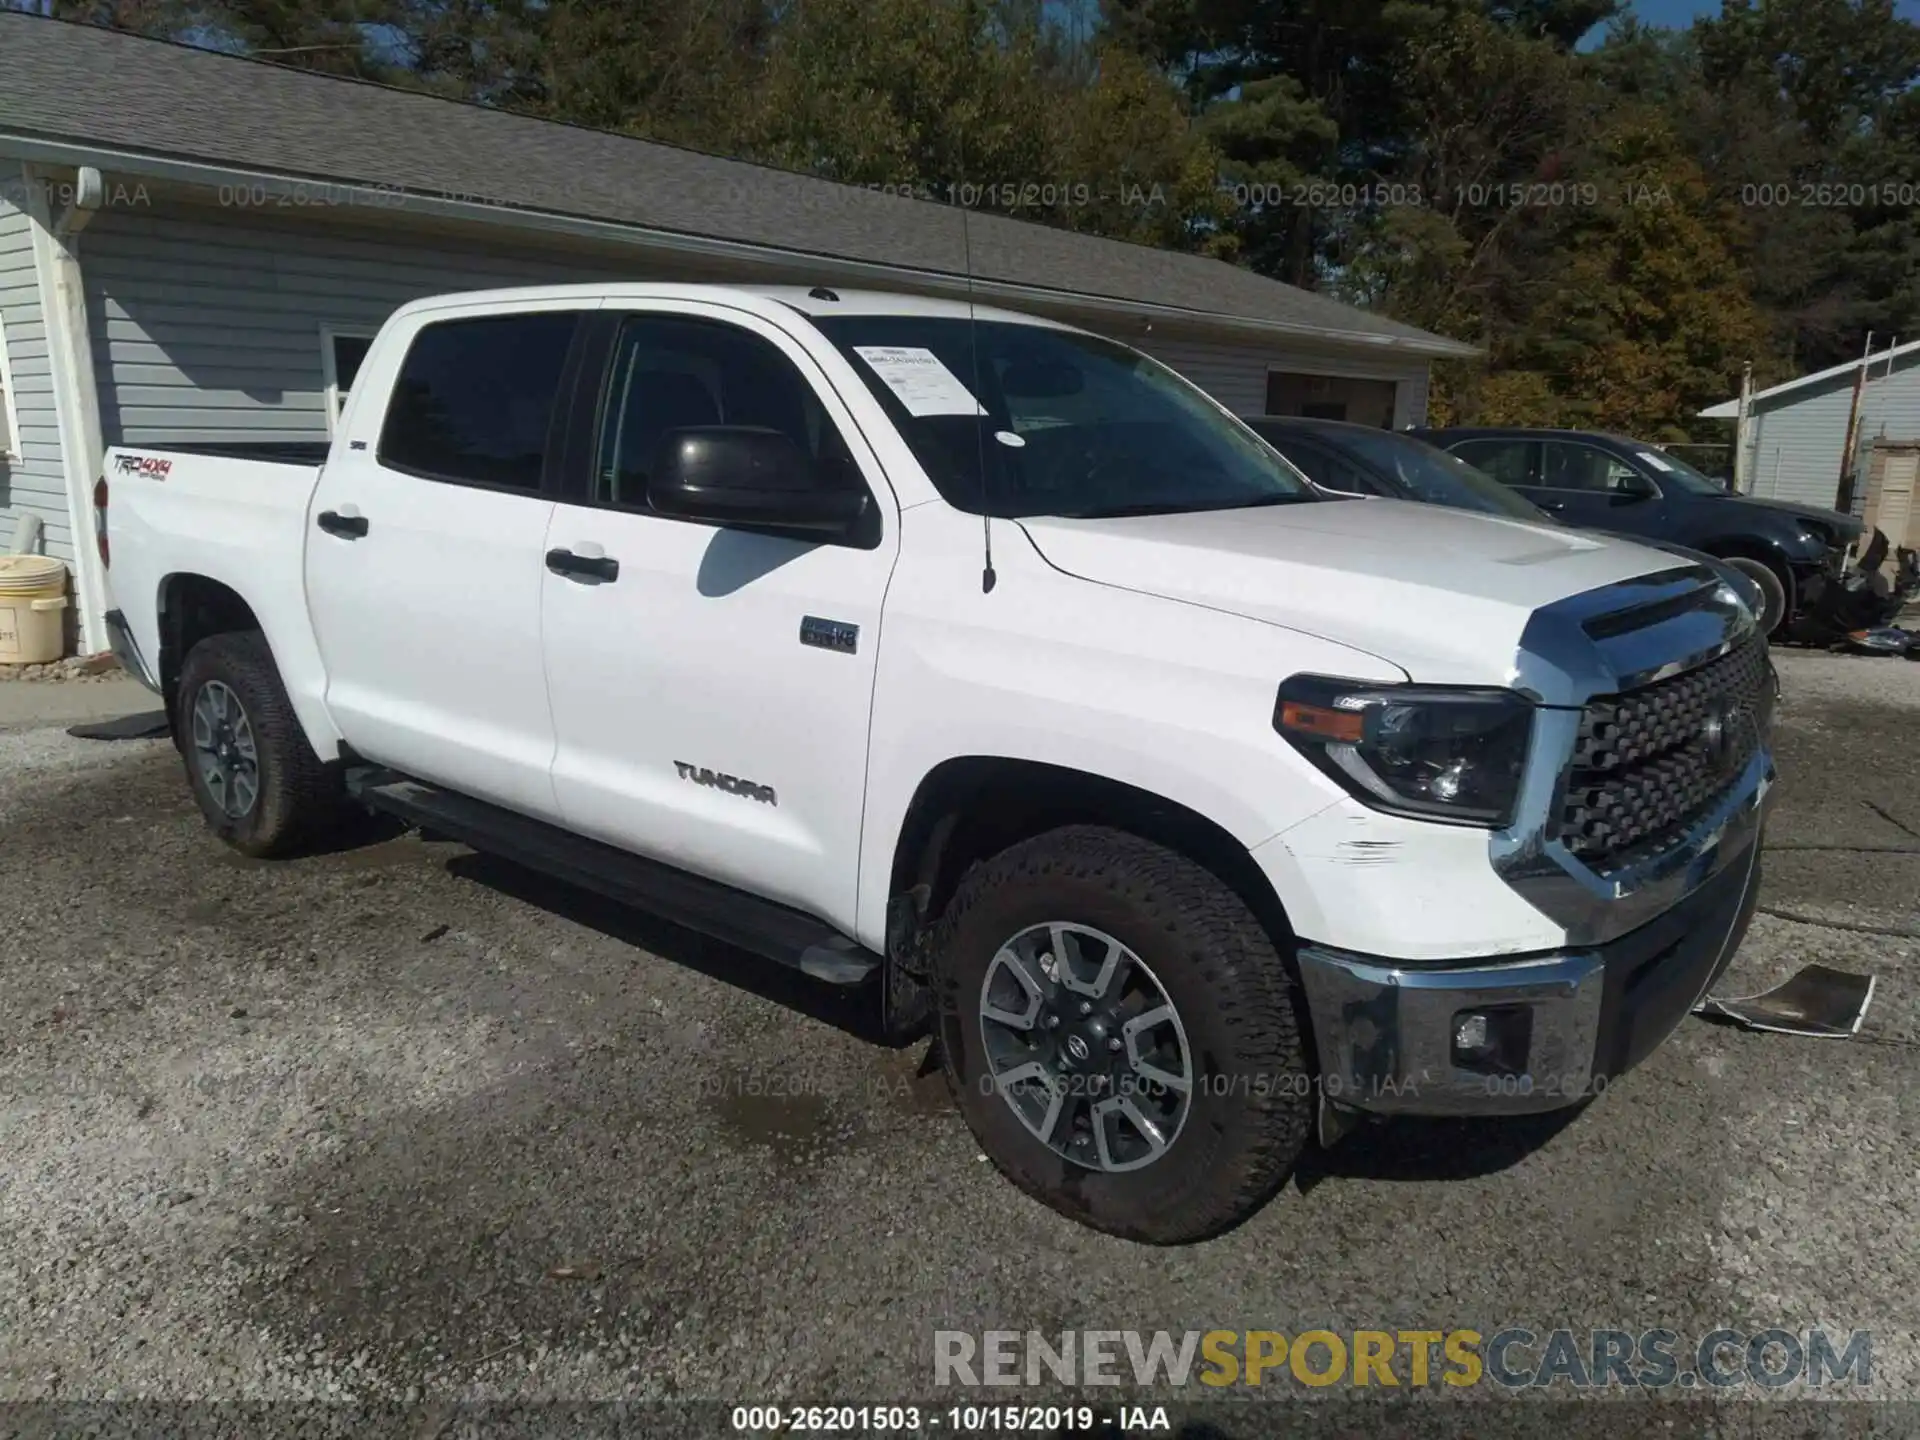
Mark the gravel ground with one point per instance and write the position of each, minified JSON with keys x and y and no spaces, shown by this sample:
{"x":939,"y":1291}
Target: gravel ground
{"x":403,"y":1124}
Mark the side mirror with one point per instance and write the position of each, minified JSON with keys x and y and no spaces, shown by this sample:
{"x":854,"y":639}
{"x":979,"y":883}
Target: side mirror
{"x":1633,"y":486}
{"x":746,"y":475}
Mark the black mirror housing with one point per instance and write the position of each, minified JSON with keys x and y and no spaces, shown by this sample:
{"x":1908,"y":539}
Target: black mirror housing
{"x":750,"y":476}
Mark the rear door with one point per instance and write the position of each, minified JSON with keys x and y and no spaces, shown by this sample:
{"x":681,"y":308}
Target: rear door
{"x":424,"y":544}
{"x":711,"y":686}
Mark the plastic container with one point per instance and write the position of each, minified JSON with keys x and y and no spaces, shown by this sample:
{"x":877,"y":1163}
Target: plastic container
{"x":33,"y":601}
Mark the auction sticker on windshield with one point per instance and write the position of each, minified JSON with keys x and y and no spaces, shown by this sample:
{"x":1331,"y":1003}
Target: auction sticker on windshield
{"x":917,"y":376}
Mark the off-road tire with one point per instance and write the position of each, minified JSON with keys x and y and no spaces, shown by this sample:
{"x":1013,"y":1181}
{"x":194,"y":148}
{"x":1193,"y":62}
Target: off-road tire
{"x":301,"y":799}
{"x":1251,"y":1104}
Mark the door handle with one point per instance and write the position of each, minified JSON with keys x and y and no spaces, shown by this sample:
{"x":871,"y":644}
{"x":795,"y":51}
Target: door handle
{"x":347,"y":527}
{"x":591,"y":567}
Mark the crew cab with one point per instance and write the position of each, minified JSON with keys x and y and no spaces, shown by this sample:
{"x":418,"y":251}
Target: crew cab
{"x":985,"y":661}
{"x":1611,"y":482}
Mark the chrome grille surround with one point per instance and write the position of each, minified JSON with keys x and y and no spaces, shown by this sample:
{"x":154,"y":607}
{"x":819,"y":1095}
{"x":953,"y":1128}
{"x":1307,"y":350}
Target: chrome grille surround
{"x":1581,"y":659}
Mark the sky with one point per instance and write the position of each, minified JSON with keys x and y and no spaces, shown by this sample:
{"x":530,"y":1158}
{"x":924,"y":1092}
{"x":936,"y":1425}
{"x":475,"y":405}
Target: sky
{"x":1677,"y":14}
{"x":1673,"y":12}
{"x":1682,"y":12}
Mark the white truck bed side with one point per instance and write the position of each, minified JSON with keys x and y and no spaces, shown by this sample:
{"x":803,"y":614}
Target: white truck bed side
{"x":241,"y":523}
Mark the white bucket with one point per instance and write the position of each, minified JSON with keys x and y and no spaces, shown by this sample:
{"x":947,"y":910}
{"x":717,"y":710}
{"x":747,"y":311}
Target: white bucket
{"x":33,"y":602}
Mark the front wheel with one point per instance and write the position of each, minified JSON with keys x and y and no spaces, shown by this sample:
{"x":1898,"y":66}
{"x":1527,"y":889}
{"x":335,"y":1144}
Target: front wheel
{"x":1120,"y":1034}
{"x":256,"y":779}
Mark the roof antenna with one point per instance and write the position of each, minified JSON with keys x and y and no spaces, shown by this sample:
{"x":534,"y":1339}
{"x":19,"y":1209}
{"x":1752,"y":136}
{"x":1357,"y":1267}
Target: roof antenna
{"x":987,"y":576}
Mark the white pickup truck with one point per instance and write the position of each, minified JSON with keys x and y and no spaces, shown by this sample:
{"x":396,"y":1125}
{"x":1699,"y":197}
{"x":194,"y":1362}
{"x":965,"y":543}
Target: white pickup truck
{"x":989,"y":659}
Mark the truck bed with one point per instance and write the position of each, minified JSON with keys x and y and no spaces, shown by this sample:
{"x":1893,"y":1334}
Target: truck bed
{"x":234,"y":515}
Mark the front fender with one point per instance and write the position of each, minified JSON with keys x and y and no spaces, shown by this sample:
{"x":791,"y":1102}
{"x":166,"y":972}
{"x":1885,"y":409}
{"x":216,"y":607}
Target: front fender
{"x":1169,"y":698}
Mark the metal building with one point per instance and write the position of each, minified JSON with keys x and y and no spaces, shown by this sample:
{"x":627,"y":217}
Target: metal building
{"x":1795,"y":434}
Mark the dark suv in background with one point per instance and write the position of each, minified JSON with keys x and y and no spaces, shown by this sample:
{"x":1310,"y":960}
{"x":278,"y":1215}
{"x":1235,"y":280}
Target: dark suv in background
{"x":1348,"y":459}
{"x":1607,"y":482}
{"x":1341,"y":458}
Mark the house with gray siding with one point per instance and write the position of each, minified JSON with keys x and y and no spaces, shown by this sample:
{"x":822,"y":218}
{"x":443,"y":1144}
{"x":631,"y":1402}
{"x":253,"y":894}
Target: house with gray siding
{"x":195,"y":247}
{"x":1796,"y":432}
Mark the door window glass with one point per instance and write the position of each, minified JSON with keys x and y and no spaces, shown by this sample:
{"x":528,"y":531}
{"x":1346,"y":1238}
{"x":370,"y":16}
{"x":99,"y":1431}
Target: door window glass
{"x":671,"y":374}
{"x":474,"y":399}
{"x":1504,"y":460}
{"x":1571,"y":465}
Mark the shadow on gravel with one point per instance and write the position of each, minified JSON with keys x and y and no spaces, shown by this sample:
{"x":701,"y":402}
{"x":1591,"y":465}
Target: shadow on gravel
{"x":854,"y":1011}
{"x":1423,"y":1150}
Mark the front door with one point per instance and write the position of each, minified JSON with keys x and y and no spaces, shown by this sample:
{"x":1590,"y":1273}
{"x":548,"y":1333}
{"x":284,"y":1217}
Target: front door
{"x":711,"y":687}
{"x":423,"y":559}
{"x":1595,"y":489}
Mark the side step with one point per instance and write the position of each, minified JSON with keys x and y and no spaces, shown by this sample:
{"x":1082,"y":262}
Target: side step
{"x":775,"y":932}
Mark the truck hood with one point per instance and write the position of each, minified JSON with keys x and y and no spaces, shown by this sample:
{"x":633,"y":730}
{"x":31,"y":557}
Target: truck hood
{"x":1443,"y":594}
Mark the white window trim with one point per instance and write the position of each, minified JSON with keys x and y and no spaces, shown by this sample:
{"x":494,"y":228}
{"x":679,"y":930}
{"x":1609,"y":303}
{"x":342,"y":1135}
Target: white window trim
{"x":328,"y":334}
{"x":9,"y":408}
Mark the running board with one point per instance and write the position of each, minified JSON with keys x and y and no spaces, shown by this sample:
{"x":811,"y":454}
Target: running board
{"x":775,"y":932}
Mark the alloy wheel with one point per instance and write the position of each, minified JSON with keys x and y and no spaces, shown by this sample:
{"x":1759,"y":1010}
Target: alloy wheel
{"x":224,"y":754}
{"x":1085,"y":1045}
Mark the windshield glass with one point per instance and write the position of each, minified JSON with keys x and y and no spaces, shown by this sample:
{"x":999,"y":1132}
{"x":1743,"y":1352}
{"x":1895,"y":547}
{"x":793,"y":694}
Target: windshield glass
{"x":1434,"y":476}
{"x":1675,"y":471}
{"x":1051,"y":422}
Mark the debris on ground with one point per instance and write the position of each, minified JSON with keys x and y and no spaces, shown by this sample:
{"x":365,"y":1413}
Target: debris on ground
{"x":1817,"y":1001}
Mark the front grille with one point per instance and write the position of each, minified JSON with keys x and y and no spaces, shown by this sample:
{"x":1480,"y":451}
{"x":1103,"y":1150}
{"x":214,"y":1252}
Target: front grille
{"x":1649,"y":763}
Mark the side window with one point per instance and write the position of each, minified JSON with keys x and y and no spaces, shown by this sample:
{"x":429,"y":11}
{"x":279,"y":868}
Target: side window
{"x":1326,"y":470}
{"x":474,"y":399}
{"x":1504,"y":460}
{"x":1571,"y":465}
{"x":670,"y":374}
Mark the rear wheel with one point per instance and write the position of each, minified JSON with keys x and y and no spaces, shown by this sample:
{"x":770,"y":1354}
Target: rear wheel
{"x":256,"y":779}
{"x":1773,"y":591}
{"x":1120,"y":1034}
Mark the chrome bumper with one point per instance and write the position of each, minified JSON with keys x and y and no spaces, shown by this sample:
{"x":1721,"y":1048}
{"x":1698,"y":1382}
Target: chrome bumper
{"x":1385,"y":1032}
{"x":120,"y":638}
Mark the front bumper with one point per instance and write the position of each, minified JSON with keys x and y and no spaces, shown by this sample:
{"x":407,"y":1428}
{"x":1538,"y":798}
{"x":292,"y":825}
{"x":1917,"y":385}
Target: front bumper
{"x":1385,"y":1031}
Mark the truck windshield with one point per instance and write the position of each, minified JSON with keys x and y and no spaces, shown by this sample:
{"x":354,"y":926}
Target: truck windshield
{"x":1014,"y":420}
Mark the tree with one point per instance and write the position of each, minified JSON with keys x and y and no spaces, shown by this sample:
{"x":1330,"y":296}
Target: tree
{"x":1804,"y":112}
{"x":1647,"y":316}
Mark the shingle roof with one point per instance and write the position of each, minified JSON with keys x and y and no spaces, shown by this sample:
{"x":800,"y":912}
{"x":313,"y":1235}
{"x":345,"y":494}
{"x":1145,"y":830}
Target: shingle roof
{"x":96,"y":87}
{"x":1730,"y":409}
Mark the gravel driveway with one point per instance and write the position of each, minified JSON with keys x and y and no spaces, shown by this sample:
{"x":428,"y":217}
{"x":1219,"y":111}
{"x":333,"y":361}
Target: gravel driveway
{"x":404,"y":1124}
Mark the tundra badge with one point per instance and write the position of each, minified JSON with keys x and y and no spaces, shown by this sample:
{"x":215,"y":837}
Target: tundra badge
{"x":732,"y":784}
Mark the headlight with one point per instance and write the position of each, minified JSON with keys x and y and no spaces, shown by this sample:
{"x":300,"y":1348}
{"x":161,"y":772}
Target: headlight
{"x":1743,"y":588}
{"x":1419,"y":750}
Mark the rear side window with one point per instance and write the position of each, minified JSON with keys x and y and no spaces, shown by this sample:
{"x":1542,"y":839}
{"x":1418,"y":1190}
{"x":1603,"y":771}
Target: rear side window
{"x":475,"y":398}
{"x":1505,"y":460}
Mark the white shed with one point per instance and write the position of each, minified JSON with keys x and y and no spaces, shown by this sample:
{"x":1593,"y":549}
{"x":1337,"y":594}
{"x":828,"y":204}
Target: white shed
{"x":1797,"y":431}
